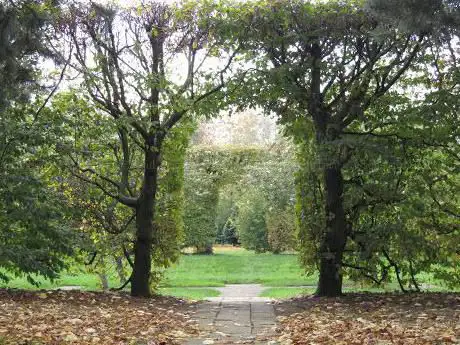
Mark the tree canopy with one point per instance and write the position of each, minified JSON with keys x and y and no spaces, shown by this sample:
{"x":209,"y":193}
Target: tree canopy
{"x":366,"y":91}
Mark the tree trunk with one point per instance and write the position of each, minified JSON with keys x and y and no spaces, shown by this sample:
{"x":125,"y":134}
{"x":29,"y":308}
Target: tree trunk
{"x":104,"y":281}
{"x":333,"y":243}
{"x":102,"y":275}
{"x":205,"y":249}
{"x":145,"y":213}
{"x":209,"y":249}
{"x":120,"y":269}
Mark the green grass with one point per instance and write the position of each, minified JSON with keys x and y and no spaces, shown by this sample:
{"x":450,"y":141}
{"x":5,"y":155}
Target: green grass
{"x":87,"y":281}
{"x":189,"y":293}
{"x":228,"y":265}
{"x":237,"y":266}
{"x":286,"y":292}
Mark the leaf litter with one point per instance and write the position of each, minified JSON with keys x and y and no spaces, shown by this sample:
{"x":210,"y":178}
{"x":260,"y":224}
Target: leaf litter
{"x":81,"y":317}
{"x":371,"y":319}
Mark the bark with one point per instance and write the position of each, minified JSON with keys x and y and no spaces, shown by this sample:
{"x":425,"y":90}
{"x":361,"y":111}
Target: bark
{"x":103,"y":276}
{"x":333,"y":243}
{"x":120,"y":270}
{"x":206,"y":249}
{"x":104,"y":281}
{"x":145,"y":213}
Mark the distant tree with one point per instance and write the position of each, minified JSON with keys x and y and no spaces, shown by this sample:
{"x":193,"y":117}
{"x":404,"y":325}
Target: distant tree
{"x":226,"y":187}
{"x":207,"y":171}
{"x":225,"y":217}
{"x":272,"y":180}
{"x":250,"y":222}
{"x":281,"y":229}
{"x":202,"y":177}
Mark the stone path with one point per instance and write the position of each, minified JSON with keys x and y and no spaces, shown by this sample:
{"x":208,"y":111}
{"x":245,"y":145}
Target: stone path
{"x":240,"y":292}
{"x":69,"y":287}
{"x":238,"y":316}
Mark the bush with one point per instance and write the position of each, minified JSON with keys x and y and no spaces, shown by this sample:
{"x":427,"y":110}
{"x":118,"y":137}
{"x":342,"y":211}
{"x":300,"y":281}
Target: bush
{"x":251,"y":225}
{"x":281,"y":230}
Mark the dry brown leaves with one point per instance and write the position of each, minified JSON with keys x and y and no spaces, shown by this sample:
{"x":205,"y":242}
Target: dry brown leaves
{"x":385,"y":319}
{"x":75,"y":317}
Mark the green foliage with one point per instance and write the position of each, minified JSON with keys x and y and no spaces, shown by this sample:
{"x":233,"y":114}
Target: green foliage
{"x":357,"y":94}
{"x":281,"y":230}
{"x":268,"y":187}
{"x":109,"y":224}
{"x":225,"y":217}
{"x":36,"y":234}
{"x":22,"y":31}
{"x":401,"y":196}
{"x":170,"y":205}
{"x":250,"y":222}
{"x":430,"y":16}
{"x":207,"y":170}
{"x":231,"y":191}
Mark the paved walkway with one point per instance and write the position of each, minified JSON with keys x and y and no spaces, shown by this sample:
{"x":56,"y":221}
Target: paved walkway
{"x":238,"y":316}
{"x":240,"y":292}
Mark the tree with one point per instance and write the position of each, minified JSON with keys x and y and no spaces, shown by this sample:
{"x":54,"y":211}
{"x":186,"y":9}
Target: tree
{"x":225,"y":217}
{"x":208,"y":170}
{"x":281,"y":230}
{"x":22,"y":31}
{"x":230,"y":189}
{"x":124,"y":58}
{"x":323,"y":67}
{"x":269,"y":183}
{"x":250,"y":222}
{"x":36,"y":234}
{"x":36,"y":229}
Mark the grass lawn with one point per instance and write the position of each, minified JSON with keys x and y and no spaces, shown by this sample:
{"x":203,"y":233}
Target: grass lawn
{"x":87,"y":281}
{"x":286,"y":292}
{"x":231,"y":265}
{"x":189,"y":293}
{"x":289,"y":292}
{"x":228,"y":265}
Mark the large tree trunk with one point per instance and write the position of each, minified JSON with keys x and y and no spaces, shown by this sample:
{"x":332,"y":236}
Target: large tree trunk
{"x":145,"y":213}
{"x":333,"y":243}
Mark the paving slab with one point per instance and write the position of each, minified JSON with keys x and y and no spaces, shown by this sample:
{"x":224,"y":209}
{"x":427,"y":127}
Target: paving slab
{"x":238,"y":316}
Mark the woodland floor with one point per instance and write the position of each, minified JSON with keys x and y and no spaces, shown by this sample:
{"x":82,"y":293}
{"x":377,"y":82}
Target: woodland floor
{"x":379,"y":319}
{"x":74,"y":317}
